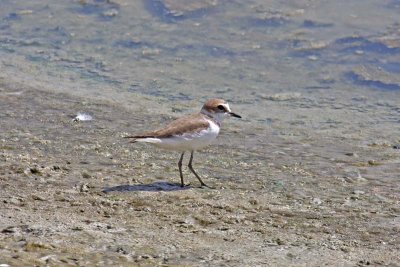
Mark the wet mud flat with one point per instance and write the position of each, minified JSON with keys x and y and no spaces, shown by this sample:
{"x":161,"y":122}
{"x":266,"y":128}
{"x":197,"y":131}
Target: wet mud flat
{"x":286,"y":193}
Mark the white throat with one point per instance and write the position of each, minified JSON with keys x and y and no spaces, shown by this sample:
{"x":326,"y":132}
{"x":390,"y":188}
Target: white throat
{"x":217,"y":117}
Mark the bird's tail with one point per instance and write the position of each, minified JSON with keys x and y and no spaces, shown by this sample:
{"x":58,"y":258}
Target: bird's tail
{"x":141,"y":138}
{"x":133,"y":137}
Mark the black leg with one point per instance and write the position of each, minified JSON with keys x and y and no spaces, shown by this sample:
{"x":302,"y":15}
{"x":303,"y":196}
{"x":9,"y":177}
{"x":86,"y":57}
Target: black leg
{"x":180,"y":169}
{"x":191,"y":168}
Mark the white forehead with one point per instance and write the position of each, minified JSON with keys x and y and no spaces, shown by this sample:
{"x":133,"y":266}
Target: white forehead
{"x":226,"y":105}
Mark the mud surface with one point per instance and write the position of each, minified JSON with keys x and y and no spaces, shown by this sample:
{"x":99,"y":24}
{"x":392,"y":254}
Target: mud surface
{"x":76,"y":193}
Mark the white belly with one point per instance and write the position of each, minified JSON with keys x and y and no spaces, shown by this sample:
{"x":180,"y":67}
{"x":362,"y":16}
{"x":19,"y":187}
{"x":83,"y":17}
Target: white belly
{"x":189,"y":141}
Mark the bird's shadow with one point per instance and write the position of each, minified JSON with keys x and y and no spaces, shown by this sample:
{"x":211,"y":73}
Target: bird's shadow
{"x":153,"y":187}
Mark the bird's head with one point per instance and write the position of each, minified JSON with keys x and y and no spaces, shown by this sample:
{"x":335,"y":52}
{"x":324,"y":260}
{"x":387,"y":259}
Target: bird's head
{"x":218,"y":109}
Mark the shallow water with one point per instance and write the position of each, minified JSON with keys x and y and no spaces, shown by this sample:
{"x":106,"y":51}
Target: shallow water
{"x":230,"y":49}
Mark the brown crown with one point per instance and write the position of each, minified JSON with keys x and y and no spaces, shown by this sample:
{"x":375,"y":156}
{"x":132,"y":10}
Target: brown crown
{"x":212,"y":104}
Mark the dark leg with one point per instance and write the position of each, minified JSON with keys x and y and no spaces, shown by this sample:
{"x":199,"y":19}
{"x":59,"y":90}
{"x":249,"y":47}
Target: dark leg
{"x":191,"y":168}
{"x":180,"y":169}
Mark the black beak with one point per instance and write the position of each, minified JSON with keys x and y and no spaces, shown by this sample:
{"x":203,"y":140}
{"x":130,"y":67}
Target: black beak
{"x":234,"y":115}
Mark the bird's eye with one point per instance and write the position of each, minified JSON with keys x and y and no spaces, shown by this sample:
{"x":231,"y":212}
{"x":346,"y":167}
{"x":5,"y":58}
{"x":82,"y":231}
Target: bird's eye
{"x":221,"y":107}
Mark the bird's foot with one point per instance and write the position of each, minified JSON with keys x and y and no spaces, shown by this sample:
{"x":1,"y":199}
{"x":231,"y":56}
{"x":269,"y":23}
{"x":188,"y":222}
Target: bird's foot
{"x":204,"y":185}
{"x":183,"y":185}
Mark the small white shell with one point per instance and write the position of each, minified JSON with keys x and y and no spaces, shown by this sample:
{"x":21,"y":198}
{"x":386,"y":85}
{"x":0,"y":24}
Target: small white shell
{"x":82,"y":117}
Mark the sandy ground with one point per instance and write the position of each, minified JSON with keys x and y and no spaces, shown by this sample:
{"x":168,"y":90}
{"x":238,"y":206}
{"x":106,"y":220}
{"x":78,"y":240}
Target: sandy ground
{"x":318,"y":188}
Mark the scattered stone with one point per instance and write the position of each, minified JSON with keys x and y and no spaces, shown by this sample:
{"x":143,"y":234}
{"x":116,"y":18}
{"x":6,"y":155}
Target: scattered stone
{"x":33,"y":170}
{"x":48,"y":258}
{"x":9,"y":230}
{"x":316,"y":201}
{"x":25,"y":12}
{"x":150,"y":52}
{"x":374,"y":163}
{"x":147,"y":209}
{"x":253,"y":201}
{"x":56,"y":168}
{"x":37,"y":197}
{"x":364,"y":262}
{"x":86,"y":175}
{"x":313,"y":57}
{"x":110,"y":13}
{"x":308,"y":46}
{"x":145,"y":257}
{"x":84,"y":188}
{"x":346,"y":249}
{"x":13,"y":200}
{"x":122,"y":250}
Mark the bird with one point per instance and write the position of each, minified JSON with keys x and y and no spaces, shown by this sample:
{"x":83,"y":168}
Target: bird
{"x":189,"y":133}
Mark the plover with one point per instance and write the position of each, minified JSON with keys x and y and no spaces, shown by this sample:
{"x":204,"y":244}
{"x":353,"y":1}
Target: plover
{"x":190,"y":133}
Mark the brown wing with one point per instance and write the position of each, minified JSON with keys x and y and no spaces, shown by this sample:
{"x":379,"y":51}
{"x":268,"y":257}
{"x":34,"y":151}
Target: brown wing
{"x":191,"y":123}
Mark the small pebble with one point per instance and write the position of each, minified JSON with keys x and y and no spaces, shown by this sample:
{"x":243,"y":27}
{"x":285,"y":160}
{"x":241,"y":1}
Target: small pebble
{"x":48,"y":258}
{"x":34,"y":170}
{"x":110,"y":13}
{"x":84,"y":188}
{"x":316,"y":201}
{"x":150,"y":52}
{"x":86,"y":175}
{"x":36,"y":197}
{"x":373,"y":162}
{"x":9,"y":230}
{"x":25,"y":12}
{"x":358,"y":192}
